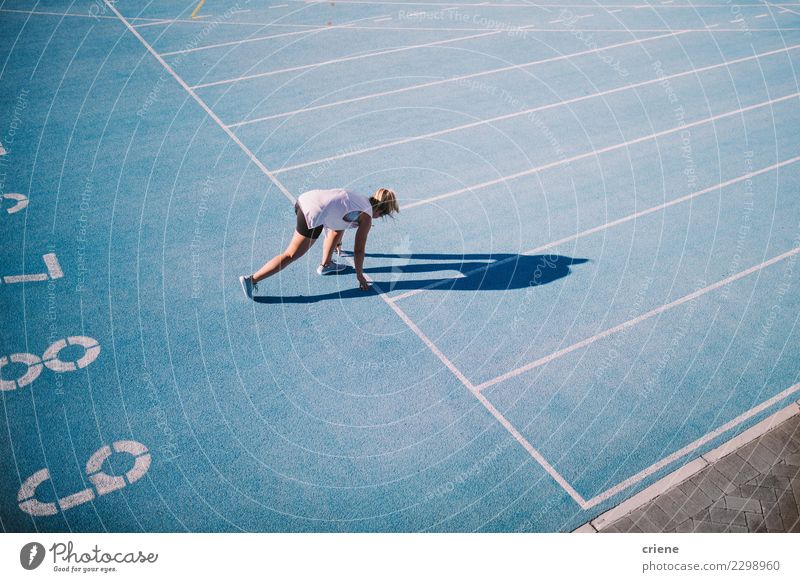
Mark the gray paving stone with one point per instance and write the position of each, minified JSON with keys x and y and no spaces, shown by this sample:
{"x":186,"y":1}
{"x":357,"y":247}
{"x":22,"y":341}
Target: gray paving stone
{"x":635,"y":529}
{"x":706,"y":485}
{"x":636,"y":514}
{"x":727,"y":516}
{"x":772,"y":518}
{"x":775,"y":481}
{"x":639,"y":524}
{"x":736,"y":529}
{"x":647,"y":526}
{"x":657,"y":516}
{"x":792,"y":437}
{"x":672,"y":503}
{"x":755,"y":521}
{"x":697,"y":503}
{"x":762,"y":458}
{"x":695,"y":495}
{"x":784,"y":470}
{"x":756,"y":492}
{"x":792,"y":423}
{"x":788,"y":508}
{"x":703,"y":526}
{"x":736,"y":469}
{"x":622,"y":525}
{"x":719,"y":503}
{"x":774,"y":444}
{"x":792,"y":459}
{"x":742,"y":504}
{"x":747,"y":449}
{"x":684,"y":527}
{"x":718,"y":479}
{"x":628,"y":527}
{"x":732,"y":468}
{"x":796,"y":491}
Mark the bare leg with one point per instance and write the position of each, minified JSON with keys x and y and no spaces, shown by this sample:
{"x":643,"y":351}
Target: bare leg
{"x":333,"y":238}
{"x":296,"y":249}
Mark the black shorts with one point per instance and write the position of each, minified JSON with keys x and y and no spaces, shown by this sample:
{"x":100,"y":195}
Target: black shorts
{"x":302,"y":226}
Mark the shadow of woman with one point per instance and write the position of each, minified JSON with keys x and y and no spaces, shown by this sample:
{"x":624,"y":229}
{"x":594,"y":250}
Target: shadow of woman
{"x":478,"y":272}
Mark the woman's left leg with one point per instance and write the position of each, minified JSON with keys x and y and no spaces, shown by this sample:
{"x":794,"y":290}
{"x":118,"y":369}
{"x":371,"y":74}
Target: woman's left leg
{"x":296,"y":249}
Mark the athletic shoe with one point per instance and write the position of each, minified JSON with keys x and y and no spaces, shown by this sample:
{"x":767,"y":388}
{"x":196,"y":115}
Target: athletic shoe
{"x":330,"y":268}
{"x":248,"y":286}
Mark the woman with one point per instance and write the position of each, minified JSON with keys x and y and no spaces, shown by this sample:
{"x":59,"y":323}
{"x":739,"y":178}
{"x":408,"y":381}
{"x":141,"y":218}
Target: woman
{"x":336,"y":210}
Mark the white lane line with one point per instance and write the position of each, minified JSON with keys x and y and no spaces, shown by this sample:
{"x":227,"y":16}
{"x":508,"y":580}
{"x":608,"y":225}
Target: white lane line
{"x":783,"y":7}
{"x":246,"y":40}
{"x":508,"y":116}
{"x":278,"y":6}
{"x":699,"y":443}
{"x":785,"y":10}
{"x":537,"y":456}
{"x":456,"y":79}
{"x":343,"y":59}
{"x":756,"y":431}
{"x":615,"y":11}
{"x":712,"y":25}
{"x":762,"y":15}
{"x":304,"y":31}
{"x":595,"y":153}
{"x":607,"y":225}
{"x":156,"y":23}
{"x":200,"y":102}
{"x":386,"y":19}
{"x":636,"y":320}
{"x":62,"y":14}
{"x":398,"y":28}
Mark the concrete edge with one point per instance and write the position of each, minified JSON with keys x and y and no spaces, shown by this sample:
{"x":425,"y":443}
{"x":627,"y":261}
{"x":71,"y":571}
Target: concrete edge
{"x":586,"y":528}
{"x":688,"y":470}
{"x":752,"y":433}
{"x":649,"y":493}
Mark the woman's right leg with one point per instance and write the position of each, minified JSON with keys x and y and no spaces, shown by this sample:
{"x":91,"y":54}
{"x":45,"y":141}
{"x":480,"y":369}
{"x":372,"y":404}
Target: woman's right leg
{"x":298,"y":246}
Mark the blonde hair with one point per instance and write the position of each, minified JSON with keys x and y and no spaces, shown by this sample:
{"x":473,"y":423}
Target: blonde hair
{"x":386,"y":201}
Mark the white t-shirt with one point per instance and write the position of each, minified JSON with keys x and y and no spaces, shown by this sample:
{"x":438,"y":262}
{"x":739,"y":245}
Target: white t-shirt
{"x":336,"y":209}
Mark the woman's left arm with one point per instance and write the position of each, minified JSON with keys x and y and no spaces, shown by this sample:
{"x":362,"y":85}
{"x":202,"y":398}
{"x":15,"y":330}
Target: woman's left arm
{"x":360,"y":248}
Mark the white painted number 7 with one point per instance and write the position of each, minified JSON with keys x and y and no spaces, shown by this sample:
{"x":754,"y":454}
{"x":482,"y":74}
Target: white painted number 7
{"x":53,"y":272}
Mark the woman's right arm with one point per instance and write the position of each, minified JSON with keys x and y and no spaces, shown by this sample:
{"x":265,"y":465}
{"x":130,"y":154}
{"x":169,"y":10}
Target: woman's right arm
{"x":360,"y":247}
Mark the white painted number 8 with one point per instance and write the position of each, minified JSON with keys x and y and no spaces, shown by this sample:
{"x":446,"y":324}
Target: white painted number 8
{"x":103,"y":482}
{"x":50,"y":359}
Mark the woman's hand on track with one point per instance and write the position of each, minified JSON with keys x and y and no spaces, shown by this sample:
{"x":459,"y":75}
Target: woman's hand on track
{"x":363,"y":283}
